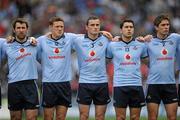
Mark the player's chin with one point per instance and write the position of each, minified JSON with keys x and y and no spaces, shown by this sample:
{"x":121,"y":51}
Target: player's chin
{"x":21,"y":36}
{"x":59,"y":34}
{"x":129,"y":35}
{"x":166,"y":32}
{"x":96,"y":32}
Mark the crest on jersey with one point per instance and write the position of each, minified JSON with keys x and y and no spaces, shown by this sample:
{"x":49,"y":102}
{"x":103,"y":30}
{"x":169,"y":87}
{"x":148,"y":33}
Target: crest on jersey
{"x":135,"y":48}
{"x":100,"y":44}
{"x":56,"y":50}
{"x":92,"y":53}
{"x":127,"y":49}
{"x":62,"y":43}
{"x":56,"y":43}
{"x":171,"y":43}
{"x":92,"y":45}
{"x":22,"y":50}
{"x":127,"y":57}
{"x":164,"y":52}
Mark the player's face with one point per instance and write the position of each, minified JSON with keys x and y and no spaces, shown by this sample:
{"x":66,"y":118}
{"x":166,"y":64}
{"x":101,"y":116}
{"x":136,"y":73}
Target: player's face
{"x":163,"y":28}
{"x":20,"y":30}
{"x":127,"y":30}
{"x":57,"y":28}
{"x":93,"y":27}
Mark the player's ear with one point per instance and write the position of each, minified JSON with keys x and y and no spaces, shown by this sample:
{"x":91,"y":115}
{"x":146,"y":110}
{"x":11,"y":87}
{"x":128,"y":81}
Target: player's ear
{"x":120,"y":31}
{"x":50,"y":27}
{"x":156,"y":28}
{"x":86,"y":27}
{"x":13,"y":30}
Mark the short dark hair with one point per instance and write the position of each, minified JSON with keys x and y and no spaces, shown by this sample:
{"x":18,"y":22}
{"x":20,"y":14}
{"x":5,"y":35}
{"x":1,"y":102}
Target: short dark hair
{"x":20,"y":20}
{"x":126,"y":20}
{"x":160,"y":18}
{"x":92,"y":18}
{"x":55,"y":19}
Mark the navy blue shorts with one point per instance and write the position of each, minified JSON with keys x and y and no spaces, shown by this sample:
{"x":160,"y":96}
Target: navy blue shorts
{"x":23,"y":95}
{"x":54,"y":94}
{"x":96,"y":92}
{"x":132,"y":96}
{"x":165,"y":92}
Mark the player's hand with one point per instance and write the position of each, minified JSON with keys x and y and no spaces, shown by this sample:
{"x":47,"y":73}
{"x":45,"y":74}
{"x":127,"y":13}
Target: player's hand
{"x":33,"y":41}
{"x":116,"y":38}
{"x":10,"y":39}
{"x":148,"y":38}
{"x":107,"y":34}
{"x":140,"y":39}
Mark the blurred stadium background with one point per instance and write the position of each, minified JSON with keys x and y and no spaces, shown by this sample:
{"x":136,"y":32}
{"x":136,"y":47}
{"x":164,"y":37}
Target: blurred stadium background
{"x":75,"y":13}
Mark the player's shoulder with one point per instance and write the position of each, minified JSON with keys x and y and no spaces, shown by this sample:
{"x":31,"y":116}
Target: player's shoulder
{"x":112,"y":43}
{"x":81,"y":37}
{"x":103,"y":37}
{"x":2,"y":39}
{"x":72,"y":36}
{"x":42,"y":37}
{"x":153,"y":40}
{"x":173,"y":37}
{"x":6,"y":44}
{"x":174,"y":34}
{"x":136,"y":42}
{"x":68,"y":34}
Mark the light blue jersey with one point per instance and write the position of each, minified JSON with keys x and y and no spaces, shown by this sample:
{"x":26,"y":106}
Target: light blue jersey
{"x":178,"y":67}
{"x":56,"y":57}
{"x":162,"y":54}
{"x":91,"y":59}
{"x":22,"y":62}
{"x":178,"y":61}
{"x":2,"y":40}
{"x":127,"y":62}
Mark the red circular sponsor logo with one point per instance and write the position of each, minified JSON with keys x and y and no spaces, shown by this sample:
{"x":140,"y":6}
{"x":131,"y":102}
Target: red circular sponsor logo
{"x":164,"y":52}
{"x":92,"y":53}
{"x":22,"y":50}
{"x":128,"y":57}
{"x":56,"y":50}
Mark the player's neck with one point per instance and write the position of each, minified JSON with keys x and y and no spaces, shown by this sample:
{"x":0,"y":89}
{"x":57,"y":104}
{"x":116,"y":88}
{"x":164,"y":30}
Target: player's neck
{"x":93,"y":36}
{"x":162,"y":36}
{"x":21,"y":40}
{"x":55,"y":37}
{"x":127,"y":39}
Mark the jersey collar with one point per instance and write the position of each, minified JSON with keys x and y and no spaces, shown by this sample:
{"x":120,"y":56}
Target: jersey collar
{"x":161,"y":39}
{"x":62,"y":36}
{"x":86,"y":36}
{"x":120,"y":39}
{"x":21,"y":42}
